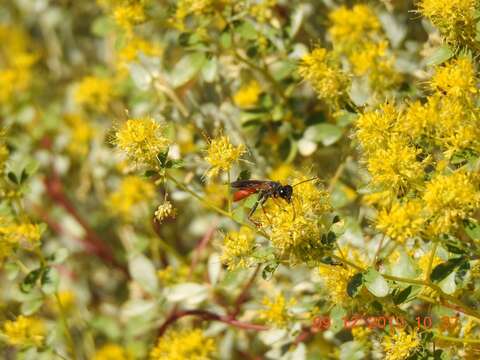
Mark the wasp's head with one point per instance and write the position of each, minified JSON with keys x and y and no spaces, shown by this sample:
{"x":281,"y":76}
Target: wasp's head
{"x":285,"y":192}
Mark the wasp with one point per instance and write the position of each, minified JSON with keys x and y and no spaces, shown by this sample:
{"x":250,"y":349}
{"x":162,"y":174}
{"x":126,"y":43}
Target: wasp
{"x":266,"y":189}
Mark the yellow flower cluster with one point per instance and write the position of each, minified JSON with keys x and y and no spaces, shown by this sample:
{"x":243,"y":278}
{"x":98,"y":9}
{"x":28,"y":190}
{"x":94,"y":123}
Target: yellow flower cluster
{"x":296,"y":229}
{"x":132,"y":196}
{"x":129,"y":15}
{"x":183,"y":345}
{"x":112,"y":352}
{"x":247,"y":96}
{"x":323,"y":71}
{"x":350,"y":28}
{"x":95,"y":93}
{"x":25,"y":331}
{"x":449,"y":199}
{"x":81,"y":133}
{"x":221,"y":154}
{"x":16,"y":62}
{"x":173,"y":275}
{"x":276,"y":312}
{"x":237,"y":248}
{"x":357,"y":34}
{"x":402,"y":220}
{"x":400,"y":345}
{"x":456,"y":19}
{"x":136,"y":46}
{"x":336,"y":279}
{"x":165,"y":211}
{"x":408,"y":154}
{"x":13,"y":235}
{"x":141,"y":140}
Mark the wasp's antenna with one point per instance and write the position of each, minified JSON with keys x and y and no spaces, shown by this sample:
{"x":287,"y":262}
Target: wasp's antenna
{"x":304,"y":181}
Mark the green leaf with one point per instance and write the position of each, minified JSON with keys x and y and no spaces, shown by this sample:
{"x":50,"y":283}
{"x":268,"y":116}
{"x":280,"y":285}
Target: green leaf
{"x":441,"y":271}
{"x":442,"y":54}
{"x":355,"y":284}
{"x":327,"y":134}
{"x":190,"y":293}
{"x":472,"y":228}
{"x":247,"y":31}
{"x":50,"y":279}
{"x":143,"y":272}
{"x":12,"y":177}
{"x":403,"y":295}
{"x":30,"y":280}
{"x":375,"y":283}
{"x":336,"y":315}
{"x":214,"y":268}
{"x":187,"y":68}
{"x":244,"y":175}
{"x":238,"y":214}
{"x":102,"y":25}
{"x":31,"y":305}
{"x":269,"y":270}
{"x":209,"y":70}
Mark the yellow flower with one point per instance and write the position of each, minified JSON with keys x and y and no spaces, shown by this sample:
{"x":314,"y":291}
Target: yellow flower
{"x":164,"y":211}
{"x":375,"y":127}
{"x":396,"y":166}
{"x":456,"y":78}
{"x":95,"y":92}
{"x":373,"y":60}
{"x":336,"y":279}
{"x":277,"y":311}
{"x":401,"y":344}
{"x":173,"y":275}
{"x":199,"y":8}
{"x":129,"y":15}
{"x":134,"y":47}
{"x":456,"y":19}
{"x":13,"y":234}
{"x":325,"y":75}
{"x":238,"y":246}
{"x":16,"y":62}
{"x":296,"y":229}
{"x":25,"y":331}
{"x":183,"y":345}
{"x":142,"y":140}
{"x":449,"y":199}
{"x":352,"y":27}
{"x":402,"y":221}
{"x":221,"y":155}
{"x":247,"y":96}
{"x":262,"y":11}
{"x":81,"y":133}
{"x":361,"y":334}
{"x":112,"y":352}
{"x":423,"y":263}
{"x":132,"y":197}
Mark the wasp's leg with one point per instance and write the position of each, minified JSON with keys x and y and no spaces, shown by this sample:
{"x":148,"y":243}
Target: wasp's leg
{"x":266,"y":215}
{"x":261,"y":199}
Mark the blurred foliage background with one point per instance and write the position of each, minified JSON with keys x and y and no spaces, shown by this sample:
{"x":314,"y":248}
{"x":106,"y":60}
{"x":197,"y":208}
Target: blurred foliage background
{"x":123,"y":123}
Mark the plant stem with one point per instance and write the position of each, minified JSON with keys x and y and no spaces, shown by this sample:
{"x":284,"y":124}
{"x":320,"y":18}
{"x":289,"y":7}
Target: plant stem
{"x":229,"y":191}
{"x":430,"y":262}
{"x":461,"y":306}
{"x":207,"y":315}
{"x":68,"y":335}
{"x":454,"y":339}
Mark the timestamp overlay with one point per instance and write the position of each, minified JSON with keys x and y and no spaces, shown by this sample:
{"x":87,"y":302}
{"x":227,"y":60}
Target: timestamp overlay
{"x":388,"y":321}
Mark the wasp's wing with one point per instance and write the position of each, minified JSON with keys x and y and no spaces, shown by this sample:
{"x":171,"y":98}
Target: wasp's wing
{"x":251,"y":184}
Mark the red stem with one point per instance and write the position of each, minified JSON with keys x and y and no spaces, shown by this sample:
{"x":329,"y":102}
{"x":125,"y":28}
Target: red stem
{"x":92,"y":242}
{"x":244,"y":294}
{"x":207,"y":315}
